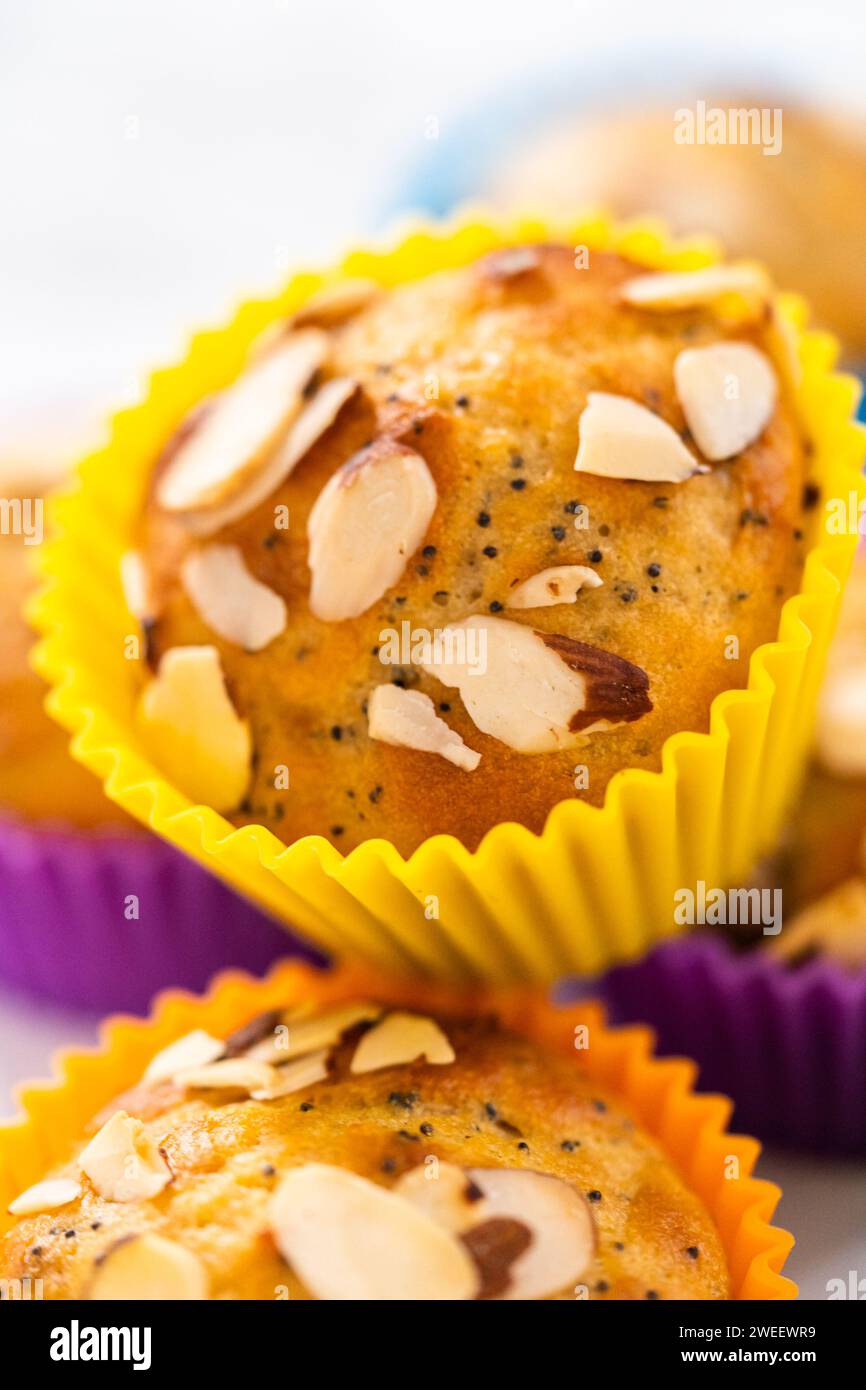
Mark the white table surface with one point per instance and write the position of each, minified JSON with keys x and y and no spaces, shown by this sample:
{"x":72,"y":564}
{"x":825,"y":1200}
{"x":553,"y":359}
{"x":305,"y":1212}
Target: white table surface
{"x":162,"y":159}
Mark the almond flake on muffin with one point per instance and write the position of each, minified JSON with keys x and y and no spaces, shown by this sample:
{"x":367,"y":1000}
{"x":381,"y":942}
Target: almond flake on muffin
{"x":368,"y":519}
{"x":45,"y":1196}
{"x":295,"y":1076}
{"x":408,"y":719}
{"x":334,"y":304}
{"x":195,"y":1049}
{"x":728,"y":393}
{"x":691,"y":289}
{"x":297,"y":1037}
{"x":539,"y":691}
{"x":619,"y":438}
{"x":401,"y":1038}
{"x":246,"y":421}
{"x":236,"y":605}
{"x":192,"y":728}
{"x":123,"y":1162}
{"x":557,"y":1219}
{"x":558,"y":584}
{"x":148,"y":1266}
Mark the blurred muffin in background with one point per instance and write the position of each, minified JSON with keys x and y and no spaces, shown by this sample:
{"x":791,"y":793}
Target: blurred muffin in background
{"x":802,"y":210}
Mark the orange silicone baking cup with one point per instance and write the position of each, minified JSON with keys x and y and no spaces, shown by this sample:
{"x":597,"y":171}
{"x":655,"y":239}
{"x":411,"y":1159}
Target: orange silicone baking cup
{"x":690,"y":1128}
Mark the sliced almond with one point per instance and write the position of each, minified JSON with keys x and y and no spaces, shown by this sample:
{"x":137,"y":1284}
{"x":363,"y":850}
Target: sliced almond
{"x":333,"y":304}
{"x":136,"y":585}
{"x":45,"y":1196}
{"x":510,"y":263}
{"x":368,"y":519}
{"x":557,"y":1217}
{"x":535,"y":691}
{"x":231,"y":1074}
{"x":295,"y":1076}
{"x":230,"y":600}
{"x":298,"y":1036}
{"x":192,"y":730}
{"x":621,"y":439}
{"x":348,"y":1239}
{"x":123,"y":1162}
{"x":496,"y":1246}
{"x":728,"y":393}
{"x":148,"y":1267}
{"x":559,"y":584}
{"x":688,"y":289}
{"x":401,"y":1038}
{"x":408,"y":719}
{"x":195,"y":1049}
{"x":834,"y":925}
{"x":245,"y":424}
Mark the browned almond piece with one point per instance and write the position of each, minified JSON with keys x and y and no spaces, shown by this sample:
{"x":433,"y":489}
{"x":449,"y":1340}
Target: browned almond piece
{"x":728,"y":393}
{"x":509,"y":263}
{"x":123,"y":1162}
{"x":192,"y":730}
{"x":148,"y":1267}
{"x":688,"y":289}
{"x":244,"y":424}
{"x":349,"y":1239}
{"x":195,"y":1049}
{"x":295,"y":1076}
{"x":236,"y":605}
{"x":45,"y":1196}
{"x":408,"y":719}
{"x":558,"y":584}
{"x":295,"y":1037}
{"x":534,"y":691}
{"x":494,"y":1246}
{"x":368,"y":519}
{"x":619,"y":438}
{"x":400,"y":1038}
{"x":242,"y":1039}
{"x":334,"y":304}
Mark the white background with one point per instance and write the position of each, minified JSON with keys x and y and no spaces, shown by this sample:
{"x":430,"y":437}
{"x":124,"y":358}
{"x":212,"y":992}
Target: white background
{"x":160,"y":159}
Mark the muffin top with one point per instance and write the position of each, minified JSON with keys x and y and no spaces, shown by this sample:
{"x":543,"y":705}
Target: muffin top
{"x":448,"y":554}
{"x":365,"y":1152}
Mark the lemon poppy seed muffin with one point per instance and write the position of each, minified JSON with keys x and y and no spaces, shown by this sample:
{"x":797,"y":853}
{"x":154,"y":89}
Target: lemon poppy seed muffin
{"x":447,"y":554}
{"x":365,"y":1152}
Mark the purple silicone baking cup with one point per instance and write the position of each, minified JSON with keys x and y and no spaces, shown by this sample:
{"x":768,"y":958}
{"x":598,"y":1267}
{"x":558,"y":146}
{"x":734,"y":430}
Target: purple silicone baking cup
{"x":66,"y":933}
{"x":788,"y":1045}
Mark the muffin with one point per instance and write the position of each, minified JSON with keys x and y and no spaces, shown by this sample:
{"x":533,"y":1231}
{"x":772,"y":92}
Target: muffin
{"x":472,"y":547}
{"x":772,"y":1009}
{"x":800,"y":208}
{"x":344,"y":1146}
{"x":94,"y":912}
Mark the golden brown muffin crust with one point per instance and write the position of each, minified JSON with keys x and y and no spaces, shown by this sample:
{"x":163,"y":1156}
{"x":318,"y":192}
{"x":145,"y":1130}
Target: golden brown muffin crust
{"x":504,"y":1103}
{"x":487,"y":378}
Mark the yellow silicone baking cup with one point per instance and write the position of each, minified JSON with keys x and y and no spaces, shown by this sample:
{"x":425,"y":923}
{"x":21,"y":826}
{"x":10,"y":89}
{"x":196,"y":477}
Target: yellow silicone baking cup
{"x":691,"y":1129}
{"x":597,"y":885}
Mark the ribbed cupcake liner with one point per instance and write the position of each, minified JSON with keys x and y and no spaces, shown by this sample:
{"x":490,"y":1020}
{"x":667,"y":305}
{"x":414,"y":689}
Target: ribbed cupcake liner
{"x":789,"y":1046}
{"x":103,"y":921}
{"x":596,"y":886}
{"x":690,"y":1129}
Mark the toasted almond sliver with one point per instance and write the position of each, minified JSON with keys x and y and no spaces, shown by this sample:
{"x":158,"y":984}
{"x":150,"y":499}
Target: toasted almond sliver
{"x":408,"y":719}
{"x":366,"y":522}
{"x":559,"y":584}
{"x":535,"y":691}
{"x":295,"y":1076}
{"x":148,"y":1267}
{"x":45,"y":1196}
{"x":619,"y":438}
{"x":231,"y":1074}
{"x":246,"y":422}
{"x":230,"y":600}
{"x":510,"y":263}
{"x":195,"y":1049}
{"x":401,"y":1038}
{"x":335,"y":303}
{"x":300,"y":1035}
{"x":316,"y":417}
{"x":688,"y":289}
{"x":349,"y":1239}
{"x":123,"y":1162}
{"x":135,"y":582}
{"x":192,"y":730}
{"x":557,"y":1216}
{"x":728,"y":394}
